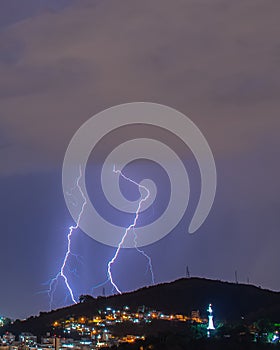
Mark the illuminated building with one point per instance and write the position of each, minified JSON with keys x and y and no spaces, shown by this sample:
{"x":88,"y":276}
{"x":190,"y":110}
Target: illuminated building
{"x":8,"y":338}
{"x":195,"y":315}
{"x":28,"y":339}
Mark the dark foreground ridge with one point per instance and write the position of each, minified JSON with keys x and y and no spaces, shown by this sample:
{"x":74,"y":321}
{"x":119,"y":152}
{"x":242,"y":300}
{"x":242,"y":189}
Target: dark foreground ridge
{"x":231,"y":303}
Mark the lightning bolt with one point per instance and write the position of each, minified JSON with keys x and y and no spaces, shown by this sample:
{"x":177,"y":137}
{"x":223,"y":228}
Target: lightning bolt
{"x":62,"y":275}
{"x":130,"y":227}
{"x":150,"y":266}
{"x":72,"y":229}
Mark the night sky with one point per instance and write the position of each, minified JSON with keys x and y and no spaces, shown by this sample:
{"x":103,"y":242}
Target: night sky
{"x":61,"y":62}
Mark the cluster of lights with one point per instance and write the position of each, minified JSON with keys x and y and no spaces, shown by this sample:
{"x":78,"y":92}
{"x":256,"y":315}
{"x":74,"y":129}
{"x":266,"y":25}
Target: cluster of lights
{"x":109,"y":316}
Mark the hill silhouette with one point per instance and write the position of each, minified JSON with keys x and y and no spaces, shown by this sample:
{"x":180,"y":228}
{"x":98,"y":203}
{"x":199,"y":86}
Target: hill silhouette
{"x":231,"y":302}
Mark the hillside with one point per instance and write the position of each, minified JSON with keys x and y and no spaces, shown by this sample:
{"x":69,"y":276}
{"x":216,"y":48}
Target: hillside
{"x":231,"y":302}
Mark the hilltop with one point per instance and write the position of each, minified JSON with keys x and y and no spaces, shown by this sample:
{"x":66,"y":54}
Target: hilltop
{"x":230,"y":302}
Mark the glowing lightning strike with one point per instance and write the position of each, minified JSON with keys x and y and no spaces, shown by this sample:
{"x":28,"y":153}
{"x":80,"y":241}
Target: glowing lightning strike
{"x":130,"y":227}
{"x":61,"y":273}
{"x":146,"y":256}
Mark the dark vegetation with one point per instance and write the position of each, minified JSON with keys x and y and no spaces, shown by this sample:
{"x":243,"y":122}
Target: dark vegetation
{"x":180,"y":342}
{"x":232,"y":302}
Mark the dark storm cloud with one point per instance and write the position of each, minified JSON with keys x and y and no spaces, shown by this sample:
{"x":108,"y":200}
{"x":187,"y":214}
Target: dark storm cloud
{"x":248,"y":89}
{"x":11,"y":50}
{"x":195,"y":56}
{"x":34,"y":79}
{"x":14,"y":11}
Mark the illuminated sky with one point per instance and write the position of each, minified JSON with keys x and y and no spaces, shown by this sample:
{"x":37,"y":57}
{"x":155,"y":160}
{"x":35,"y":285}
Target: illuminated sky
{"x":63,"y":61}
